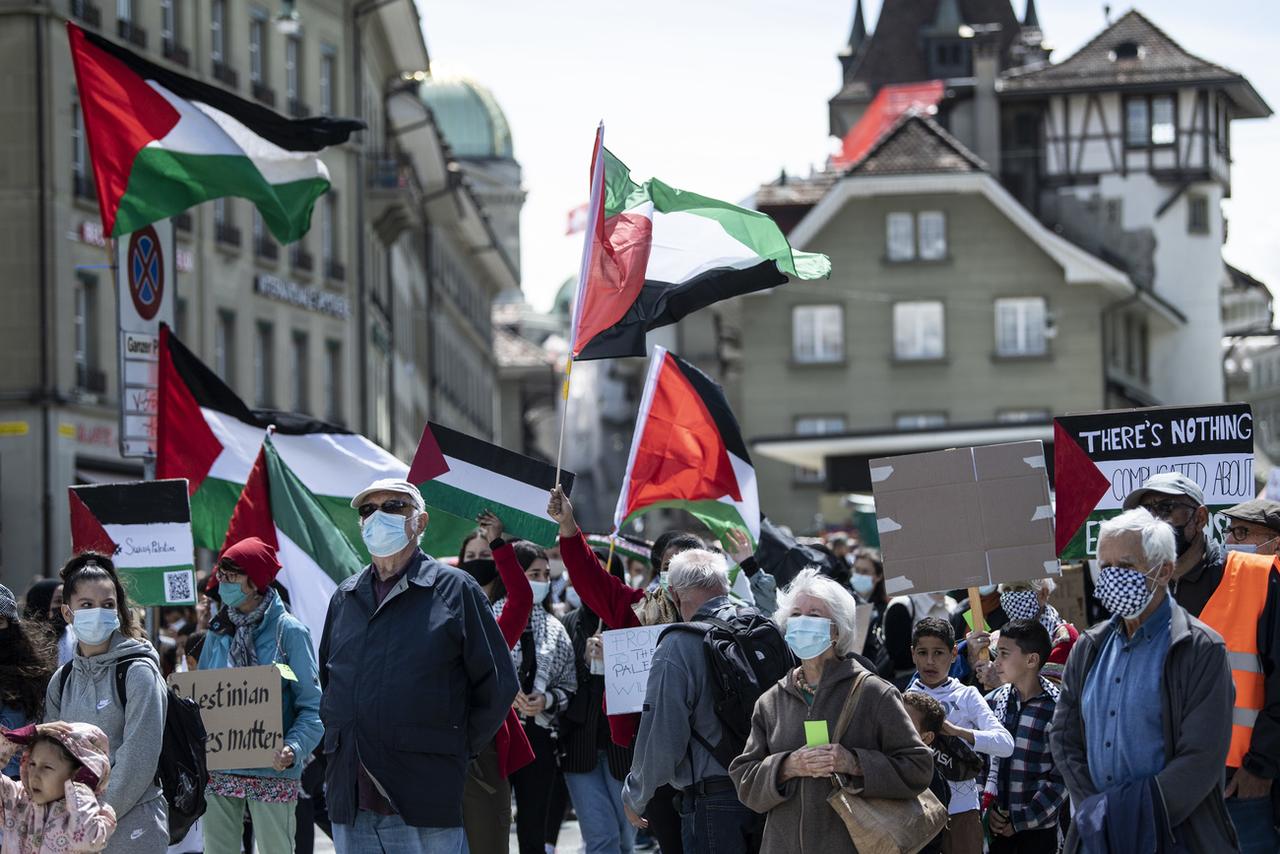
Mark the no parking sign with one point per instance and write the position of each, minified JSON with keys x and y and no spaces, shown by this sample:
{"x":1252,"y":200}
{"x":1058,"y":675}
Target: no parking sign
{"x":145,"y":281}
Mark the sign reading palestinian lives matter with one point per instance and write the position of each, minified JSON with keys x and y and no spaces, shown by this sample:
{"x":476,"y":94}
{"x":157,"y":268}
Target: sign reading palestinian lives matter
{"x":146,"y":298}
{"x":146,"y":529}
{"x":240,"y":709}
{"x":628,"y":655}
{"x":1100,"y":457}
{"x":964,"y":517}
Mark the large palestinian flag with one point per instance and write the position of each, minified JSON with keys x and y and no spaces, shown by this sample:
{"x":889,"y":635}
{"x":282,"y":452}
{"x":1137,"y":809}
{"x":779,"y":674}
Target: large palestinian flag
{"x":688,"y":453}
{"x":461,"y":476}
{"x":315,"y":557}
{"x":654,"y":254}
{"x":161,"y":143}
{"x":206,"y":434}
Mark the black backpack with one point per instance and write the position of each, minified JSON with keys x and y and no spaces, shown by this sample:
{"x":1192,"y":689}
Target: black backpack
{"x":746,"y":655}
{"x":181,"y":772}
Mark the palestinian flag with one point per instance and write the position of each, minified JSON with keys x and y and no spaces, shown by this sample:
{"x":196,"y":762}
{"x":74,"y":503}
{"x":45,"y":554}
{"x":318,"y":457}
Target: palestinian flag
{"x":206,"y":434}
{"x":654,"y":254}
{"x":315,"y":557}
{"x":145,"y":528}
{"x":161,"y":143}
{"x":688,"y":453}
{"x":461,"y":476}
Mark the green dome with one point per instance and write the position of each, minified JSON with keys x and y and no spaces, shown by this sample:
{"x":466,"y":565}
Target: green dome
{"x":469,"y":117}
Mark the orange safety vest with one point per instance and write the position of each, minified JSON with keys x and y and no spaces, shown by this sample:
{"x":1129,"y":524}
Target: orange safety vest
{"x":1233,"y":611}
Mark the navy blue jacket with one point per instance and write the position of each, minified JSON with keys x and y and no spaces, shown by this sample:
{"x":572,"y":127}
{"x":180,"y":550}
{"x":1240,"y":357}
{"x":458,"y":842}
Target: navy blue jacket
{"x":412,"y":689}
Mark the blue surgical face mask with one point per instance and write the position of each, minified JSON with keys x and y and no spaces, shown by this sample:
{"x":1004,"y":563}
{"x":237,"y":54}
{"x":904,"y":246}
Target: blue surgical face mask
{"x":230,"y":594}
{"x":540,"y":589}
{"x":94,"y":625}
{"x":808,"y":637}
{"x":662,"y":580}
{"x":986,"y":589}
{"x":383,"y":533}
{"x":863,"y":584}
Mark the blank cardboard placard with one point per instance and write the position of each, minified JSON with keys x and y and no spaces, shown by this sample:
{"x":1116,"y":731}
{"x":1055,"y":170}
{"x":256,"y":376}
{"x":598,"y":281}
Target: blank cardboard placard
{"x":964,"y":517}
{"x":240,"y":707}
{"x":628,"y":655}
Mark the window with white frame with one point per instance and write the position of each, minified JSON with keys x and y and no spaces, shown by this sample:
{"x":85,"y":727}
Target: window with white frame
{"x":900,"y":236}
{"x":817,"y":334}
{"x":932,"y":228}
{"x":218,"y":31}
{"x":920,"y":420}
{"x":1197,"y":214}
{"x":1163,"y":129}
{"x":257,"y":45}
{"x":84,"y":355}
{"x":301,"y":368}
{"x":221,"y":212}
{"x":816,"y":425}
{"x":1022,"y":416}
{"x":1020,"y":327}
{"x":168,"y":22}
{"x":328,"y":67}
{"x":77,"y":146}
{"x":124,"y":10}
{"x":328,"y":214}
{"x":918,"y":330}
{"x":1137,"y":122}
{"x":224,"y":346}
{"x":292,"y":67}
{"x":264,"y":366}
{"x":333,"y":381}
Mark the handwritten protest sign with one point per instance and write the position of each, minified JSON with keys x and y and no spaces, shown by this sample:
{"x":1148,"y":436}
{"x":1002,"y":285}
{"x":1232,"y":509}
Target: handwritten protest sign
{"x":146,"y":529}
{"x":628,"y":654}
{"x":1100,"y":457}
{"x":240,"y":707}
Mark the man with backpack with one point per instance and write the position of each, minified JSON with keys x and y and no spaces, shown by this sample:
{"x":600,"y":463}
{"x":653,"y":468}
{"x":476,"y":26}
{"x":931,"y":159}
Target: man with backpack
{"x":703,"y":682}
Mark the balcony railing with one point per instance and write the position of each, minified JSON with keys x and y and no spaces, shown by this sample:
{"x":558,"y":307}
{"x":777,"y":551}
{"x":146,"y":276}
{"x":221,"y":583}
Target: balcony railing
{"x":301,"y":260}
{"x":86,"y":12}
{"x":297,"y":109}
{"x":83,"y":187}
{"x":176,"y":53}
{"x":91,"y":379}
{"x":226,"y":74}
{"x":266,"y":248}
{"x":132,"y":33}
{"x":182,"y":221}
{"x":334,"y":270}
{"x":264,"y":93}
{"x":227,"y":235}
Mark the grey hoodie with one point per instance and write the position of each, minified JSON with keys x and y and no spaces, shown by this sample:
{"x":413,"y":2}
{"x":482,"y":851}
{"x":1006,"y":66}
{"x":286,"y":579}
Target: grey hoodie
{"x":135,"y":733}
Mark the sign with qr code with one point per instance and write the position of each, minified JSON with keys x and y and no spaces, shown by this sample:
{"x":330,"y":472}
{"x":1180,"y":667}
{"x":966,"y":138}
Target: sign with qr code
{"x":145,"y":527}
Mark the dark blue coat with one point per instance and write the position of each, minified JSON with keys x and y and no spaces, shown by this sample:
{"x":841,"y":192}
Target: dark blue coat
{"x":412,"y":689}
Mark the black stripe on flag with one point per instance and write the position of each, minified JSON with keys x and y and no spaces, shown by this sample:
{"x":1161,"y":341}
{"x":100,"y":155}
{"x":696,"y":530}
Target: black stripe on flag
{"x":126,"y":504}
{"x":310,"y":134}
{"x":662,"y":303}
{"x":499,"y":460}
{"x":718,"y":405}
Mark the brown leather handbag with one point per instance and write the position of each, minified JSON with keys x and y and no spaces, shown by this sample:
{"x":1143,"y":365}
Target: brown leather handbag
{"x":882,"y":825}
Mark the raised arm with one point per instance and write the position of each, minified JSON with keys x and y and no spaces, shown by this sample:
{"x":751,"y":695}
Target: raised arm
{"x":515,"y":614}
{"x":606,"y":596}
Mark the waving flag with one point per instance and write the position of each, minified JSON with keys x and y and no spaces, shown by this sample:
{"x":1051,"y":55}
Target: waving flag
{"x":688,"y":453}
{"x":654,"y":254}
{"x":161,"y":143}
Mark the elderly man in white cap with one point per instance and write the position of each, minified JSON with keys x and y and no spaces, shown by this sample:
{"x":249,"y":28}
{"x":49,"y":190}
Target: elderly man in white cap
{"x":417,"y":679}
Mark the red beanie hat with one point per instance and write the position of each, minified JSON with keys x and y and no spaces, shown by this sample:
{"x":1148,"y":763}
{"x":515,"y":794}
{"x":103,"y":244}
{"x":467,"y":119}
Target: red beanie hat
{"x":255,"y":559}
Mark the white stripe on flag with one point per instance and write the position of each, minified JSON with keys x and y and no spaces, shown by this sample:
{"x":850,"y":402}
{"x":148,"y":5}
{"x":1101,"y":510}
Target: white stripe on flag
{"x":152,"y":544}
{"x":310,"y":588}
{"x":515,"y":494}
{"x":749,"y":506}
{"x":686,"y":245}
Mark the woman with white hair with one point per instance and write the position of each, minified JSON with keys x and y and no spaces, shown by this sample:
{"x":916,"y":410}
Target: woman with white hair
{"x":794,"y":750}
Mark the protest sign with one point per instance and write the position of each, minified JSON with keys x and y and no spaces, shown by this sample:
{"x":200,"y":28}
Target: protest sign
{"x":964,"y":517}
{"x":1100,"y":457}
{"x":628,"y":654}
{"x":240,"y":708}
{"x":145,"y":527}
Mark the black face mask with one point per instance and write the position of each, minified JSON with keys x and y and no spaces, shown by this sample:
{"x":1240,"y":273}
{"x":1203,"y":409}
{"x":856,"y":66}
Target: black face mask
{"x":58,"y":623}
{"x":481,"y":569}
{"x":1180,"y":541}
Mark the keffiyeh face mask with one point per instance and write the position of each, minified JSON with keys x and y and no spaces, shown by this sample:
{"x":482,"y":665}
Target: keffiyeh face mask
{"x":1123,"y":592}
{"x":1020,"y":604}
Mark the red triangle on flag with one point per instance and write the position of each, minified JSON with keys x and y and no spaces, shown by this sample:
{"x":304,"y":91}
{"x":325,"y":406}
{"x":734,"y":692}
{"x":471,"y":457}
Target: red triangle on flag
{"x":185,"y":445}
{"x":1079,"y":486}
{"x":252,"y":515}
{"x":87,"y":533}
{"x":428,"y":461}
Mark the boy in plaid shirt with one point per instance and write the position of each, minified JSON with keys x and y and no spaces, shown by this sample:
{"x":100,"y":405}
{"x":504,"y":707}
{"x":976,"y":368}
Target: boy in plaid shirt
{"x":1024,"y":792}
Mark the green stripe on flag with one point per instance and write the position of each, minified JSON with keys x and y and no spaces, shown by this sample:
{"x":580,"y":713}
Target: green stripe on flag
{"x":211,"y":509}
{"x":468,"y":505}
{"x":343,"y":517}
{"x":302,"y":519}
{"x":719,"y":517}
{"x":160,"y":585}
{"x":445,"y":533}
{"x":163,"y":183}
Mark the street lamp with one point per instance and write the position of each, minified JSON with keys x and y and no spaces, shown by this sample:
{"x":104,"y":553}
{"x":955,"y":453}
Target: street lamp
{"x":288,"y":22}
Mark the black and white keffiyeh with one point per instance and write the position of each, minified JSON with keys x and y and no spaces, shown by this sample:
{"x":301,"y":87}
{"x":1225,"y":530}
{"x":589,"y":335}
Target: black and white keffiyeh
{"x":243,"y":653}
{"x":557,"y":673}
{"x":1123,"y":591}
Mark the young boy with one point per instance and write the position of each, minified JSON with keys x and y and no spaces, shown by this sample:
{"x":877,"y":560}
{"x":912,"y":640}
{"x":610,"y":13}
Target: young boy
{"x":952,"y":759}
{"x":1025,"y":792}
{"x":56,"y":808}
{"x":969,"y":718}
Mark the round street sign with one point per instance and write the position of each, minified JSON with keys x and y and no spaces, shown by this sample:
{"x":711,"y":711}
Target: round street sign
{"x":146,"y":272}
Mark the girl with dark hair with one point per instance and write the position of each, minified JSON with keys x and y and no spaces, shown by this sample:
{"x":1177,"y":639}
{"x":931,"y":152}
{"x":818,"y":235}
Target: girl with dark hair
{"x":26,"y":661}
{"x":548,"y":679}
{"x":84,"y":690}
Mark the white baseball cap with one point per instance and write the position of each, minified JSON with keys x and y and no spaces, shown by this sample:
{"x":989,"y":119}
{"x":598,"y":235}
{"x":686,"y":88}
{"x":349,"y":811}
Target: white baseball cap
{"x":391,"y":484}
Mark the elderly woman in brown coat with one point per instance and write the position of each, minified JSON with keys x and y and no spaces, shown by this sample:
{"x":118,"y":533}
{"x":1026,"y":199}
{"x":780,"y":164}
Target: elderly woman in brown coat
{"x":778,"y":774}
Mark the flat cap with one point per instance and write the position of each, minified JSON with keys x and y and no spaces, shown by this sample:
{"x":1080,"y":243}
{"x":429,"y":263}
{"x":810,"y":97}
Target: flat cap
{"x":1259,"y":511}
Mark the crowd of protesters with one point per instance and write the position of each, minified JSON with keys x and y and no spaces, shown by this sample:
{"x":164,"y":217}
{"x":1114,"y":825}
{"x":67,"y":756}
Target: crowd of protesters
{"x":448,"y":700}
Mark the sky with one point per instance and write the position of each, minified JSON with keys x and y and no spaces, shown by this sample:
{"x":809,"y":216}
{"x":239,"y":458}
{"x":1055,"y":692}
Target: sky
{"x":719,"y":96}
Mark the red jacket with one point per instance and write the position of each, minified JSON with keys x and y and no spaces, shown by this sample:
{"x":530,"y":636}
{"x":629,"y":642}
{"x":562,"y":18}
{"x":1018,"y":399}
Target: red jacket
{"x":611,"y":601}
{"x":514,"y":750}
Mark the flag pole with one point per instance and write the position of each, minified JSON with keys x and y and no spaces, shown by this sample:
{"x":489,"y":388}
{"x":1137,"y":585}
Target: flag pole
{"x":613,"y":542}
{"x":564,"y":416}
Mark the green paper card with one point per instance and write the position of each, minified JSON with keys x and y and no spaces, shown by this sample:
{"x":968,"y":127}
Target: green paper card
{"x":815,"y":733}
{"x":286,"y":671}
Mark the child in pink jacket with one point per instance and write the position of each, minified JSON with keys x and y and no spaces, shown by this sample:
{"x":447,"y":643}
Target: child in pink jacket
{"x":55,"y":809}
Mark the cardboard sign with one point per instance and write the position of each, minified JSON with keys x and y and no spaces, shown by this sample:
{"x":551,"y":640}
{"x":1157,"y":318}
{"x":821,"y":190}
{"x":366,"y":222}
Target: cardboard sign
{"x":628,"y":655}
{"x":964,"y":517}
{"x":146,"y":529}
{"x":240,"y":707}
{"x":1101,"y":457}
{"x":863,"y":617}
